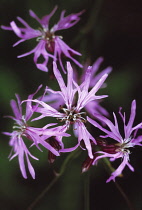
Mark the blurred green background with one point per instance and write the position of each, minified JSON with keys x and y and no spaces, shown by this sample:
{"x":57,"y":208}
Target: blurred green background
{"x":112,"y":29}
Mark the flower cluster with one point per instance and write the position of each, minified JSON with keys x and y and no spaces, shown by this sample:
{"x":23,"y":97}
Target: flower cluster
{"x":74,"y":107}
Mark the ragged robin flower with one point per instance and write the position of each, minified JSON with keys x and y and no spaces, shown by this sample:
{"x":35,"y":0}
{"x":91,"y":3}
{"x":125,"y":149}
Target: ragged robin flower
{"x":120,"y":149}
{"x":49,"y":45}
{"x":57,"y":101}
{"x":75,"y":97}
{"x":22,"y":132}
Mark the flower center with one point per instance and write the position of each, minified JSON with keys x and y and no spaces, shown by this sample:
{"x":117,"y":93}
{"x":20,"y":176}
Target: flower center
{"x":71,"y":115}
{"x":49,"y":38}
{"x":124,"y":147}
{"x":47,"y":35}
{"x":20,"y":125}
{"x":114,"y":148}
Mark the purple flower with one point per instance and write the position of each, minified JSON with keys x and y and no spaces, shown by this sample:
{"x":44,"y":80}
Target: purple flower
{"x":121,"y":148}
{"x":35,"y":136}
{"x":94,"y":106}
{"x":49,"y":44}
{"x":71,"y":113}
{"x":95,"y":76}
{"x":57,"y":100}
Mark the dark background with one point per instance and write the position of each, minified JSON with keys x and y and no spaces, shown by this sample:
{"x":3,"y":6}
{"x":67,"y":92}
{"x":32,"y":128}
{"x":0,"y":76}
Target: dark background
{"x":112,"y":29}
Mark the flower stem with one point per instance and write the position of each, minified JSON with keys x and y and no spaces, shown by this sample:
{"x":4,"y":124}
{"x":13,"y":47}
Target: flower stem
{"x":70,"y":157}
{"x":91,"y":23}
{"x":86,"y":191}
{"x":130,"y":205}
{"x":94,"y":14}
{"x":43,"y":193}
{"x":111,"y":169}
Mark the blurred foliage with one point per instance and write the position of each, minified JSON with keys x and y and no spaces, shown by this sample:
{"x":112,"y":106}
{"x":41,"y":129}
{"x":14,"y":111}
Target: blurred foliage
{"x":112,"y":29}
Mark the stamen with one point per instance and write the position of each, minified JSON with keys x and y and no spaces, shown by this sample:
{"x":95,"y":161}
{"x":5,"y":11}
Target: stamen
{"x":21,"y":126}
{"x":71,"y":116}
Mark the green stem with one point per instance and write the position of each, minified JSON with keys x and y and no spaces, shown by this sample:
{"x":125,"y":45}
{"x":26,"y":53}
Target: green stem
{"x":130,"y":205}
{"x":38,"y":198}
{"x":95,"y":10}
{"x":111,"y":169}
{"x":86,"y":192}
{"x":71,"y":156}
{"x":108,"y":164}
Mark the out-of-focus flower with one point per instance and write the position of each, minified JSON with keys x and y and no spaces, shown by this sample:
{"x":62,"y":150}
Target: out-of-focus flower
{"x":121,"y":148}
{"x":35,"y":136}
{"x":94,"y":107}
{"x":72,"y":113}
{"x":49,"y":44}
{"x":95,"y":76}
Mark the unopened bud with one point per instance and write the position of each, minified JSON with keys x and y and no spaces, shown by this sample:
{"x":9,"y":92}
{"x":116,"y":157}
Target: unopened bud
{"x":55,"y":144}
{"x":87,"y":164}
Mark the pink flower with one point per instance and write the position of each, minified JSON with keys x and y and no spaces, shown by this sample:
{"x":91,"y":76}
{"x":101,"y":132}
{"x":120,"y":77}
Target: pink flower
{"x":121,"y":148}
{"x":71,"y":113}
{"x":56,"y":100}
{"x":35,"y":136}
{"x":49,"y":44}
